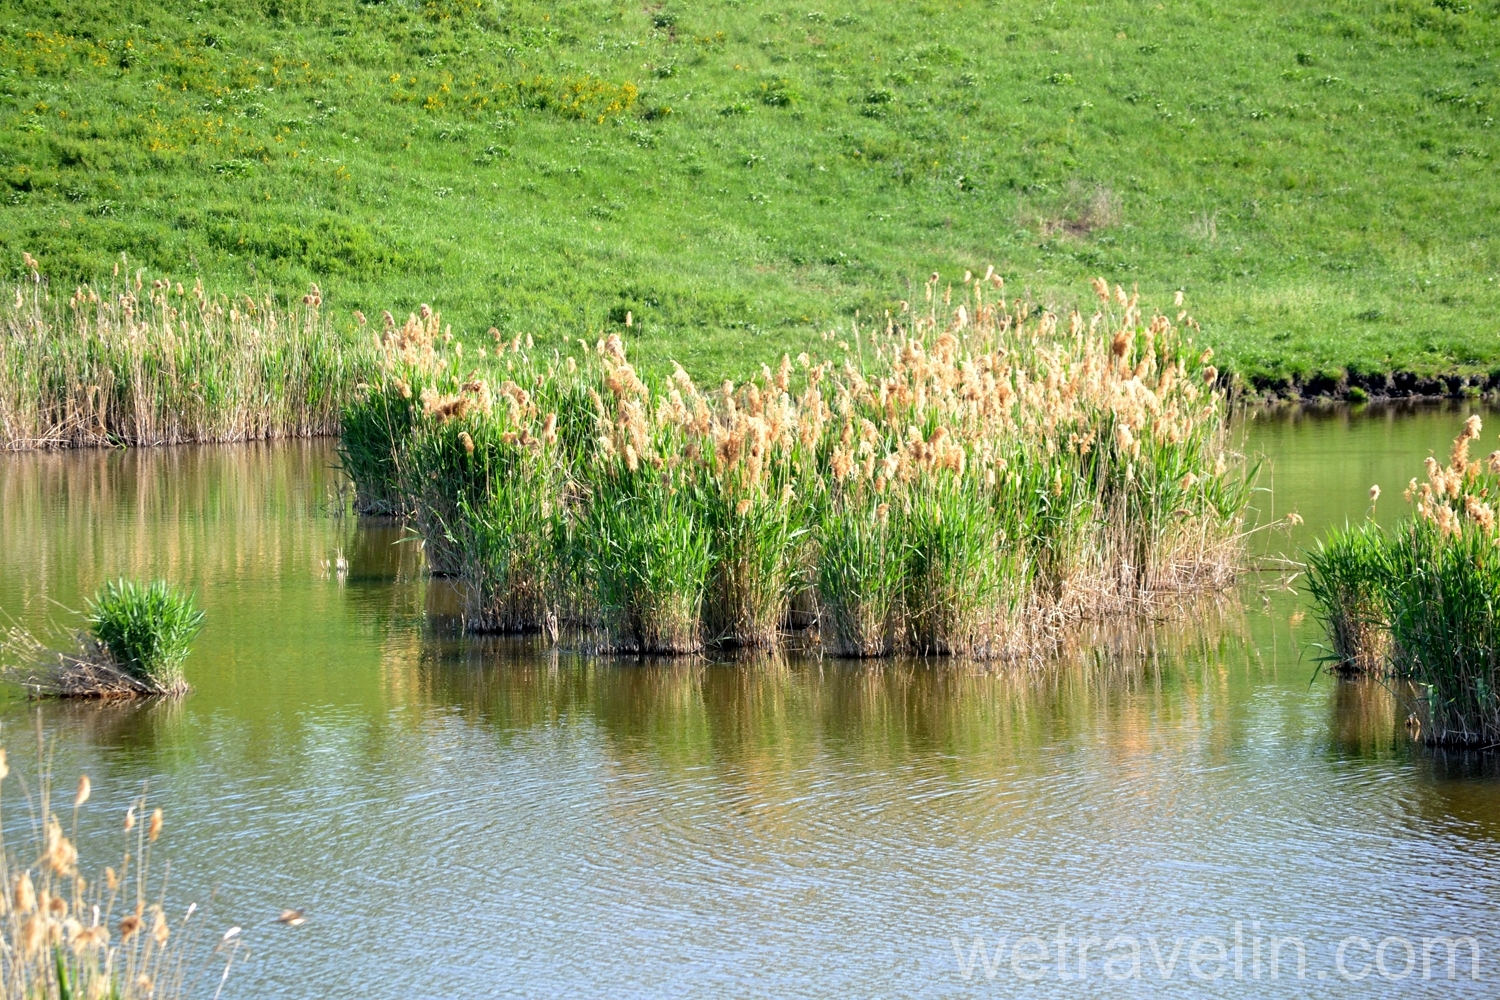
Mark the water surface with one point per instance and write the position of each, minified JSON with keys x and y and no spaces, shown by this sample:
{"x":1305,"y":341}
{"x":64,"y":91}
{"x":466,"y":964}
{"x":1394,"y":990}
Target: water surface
{"x":488,"y":818}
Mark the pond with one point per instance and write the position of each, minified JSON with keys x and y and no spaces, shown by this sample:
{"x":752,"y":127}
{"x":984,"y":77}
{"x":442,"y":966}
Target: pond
{"x":463,"y":817}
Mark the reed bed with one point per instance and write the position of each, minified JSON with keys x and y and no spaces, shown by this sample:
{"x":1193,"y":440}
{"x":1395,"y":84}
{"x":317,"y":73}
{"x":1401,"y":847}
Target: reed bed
{"x":967,"y":478}
{"x":1422,"y":601}
{"x":157,"y":363}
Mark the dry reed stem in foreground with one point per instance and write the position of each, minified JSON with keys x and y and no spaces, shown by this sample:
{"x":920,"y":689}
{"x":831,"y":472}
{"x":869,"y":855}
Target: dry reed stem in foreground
{"x":67,"y":937}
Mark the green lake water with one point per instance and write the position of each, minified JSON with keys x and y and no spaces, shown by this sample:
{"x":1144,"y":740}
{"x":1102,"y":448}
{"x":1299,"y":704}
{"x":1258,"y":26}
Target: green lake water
{"x":468,"y":818}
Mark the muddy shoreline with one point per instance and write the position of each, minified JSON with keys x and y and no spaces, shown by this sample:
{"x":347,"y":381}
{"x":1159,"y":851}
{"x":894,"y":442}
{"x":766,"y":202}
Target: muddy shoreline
{"x":1397,"y":386}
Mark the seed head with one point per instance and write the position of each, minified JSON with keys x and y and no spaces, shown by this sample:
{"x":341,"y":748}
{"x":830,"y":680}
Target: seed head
{"x":159,"y":929}
{"x":33,"y":934}
{"x":84,"y":939}
{"x":25,"y":893}
{"x":60,"y":854}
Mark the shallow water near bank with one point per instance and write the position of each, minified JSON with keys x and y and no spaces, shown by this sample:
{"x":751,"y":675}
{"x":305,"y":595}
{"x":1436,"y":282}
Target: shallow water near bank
{"x":465,"y":817}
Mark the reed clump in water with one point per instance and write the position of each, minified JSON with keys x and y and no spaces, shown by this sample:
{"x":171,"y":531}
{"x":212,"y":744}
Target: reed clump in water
{"x":66,"y":936}
{"x":1346,"y":576}
{"x":966,"y":480}
{"x":1430,"y":589}
{"x":136,"y":639}
{"x":157,"y":363}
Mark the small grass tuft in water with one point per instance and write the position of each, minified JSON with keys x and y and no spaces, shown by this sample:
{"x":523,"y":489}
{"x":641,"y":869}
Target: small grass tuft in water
{"x":147,"y":630}
{"x":136,"y":638}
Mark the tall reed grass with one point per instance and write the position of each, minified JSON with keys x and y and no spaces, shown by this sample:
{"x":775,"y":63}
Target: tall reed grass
{"x":1422,"y":601}
{"x":157,"y":363}
{"x":966,"y":478}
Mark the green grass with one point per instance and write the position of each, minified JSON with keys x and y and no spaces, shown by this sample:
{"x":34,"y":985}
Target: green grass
{"x":955,"y":566}
{"x":1421,"y":603}
{"x":148,"y":629}
{"x":373,"y":430}
{"x":756,"y":543}
{"x":1347,"y":575}
{"x":737,"y":176}
{"x":509,"y":562}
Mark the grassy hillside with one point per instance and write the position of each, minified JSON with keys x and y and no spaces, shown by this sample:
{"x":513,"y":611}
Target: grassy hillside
{"x":737,"y":176}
